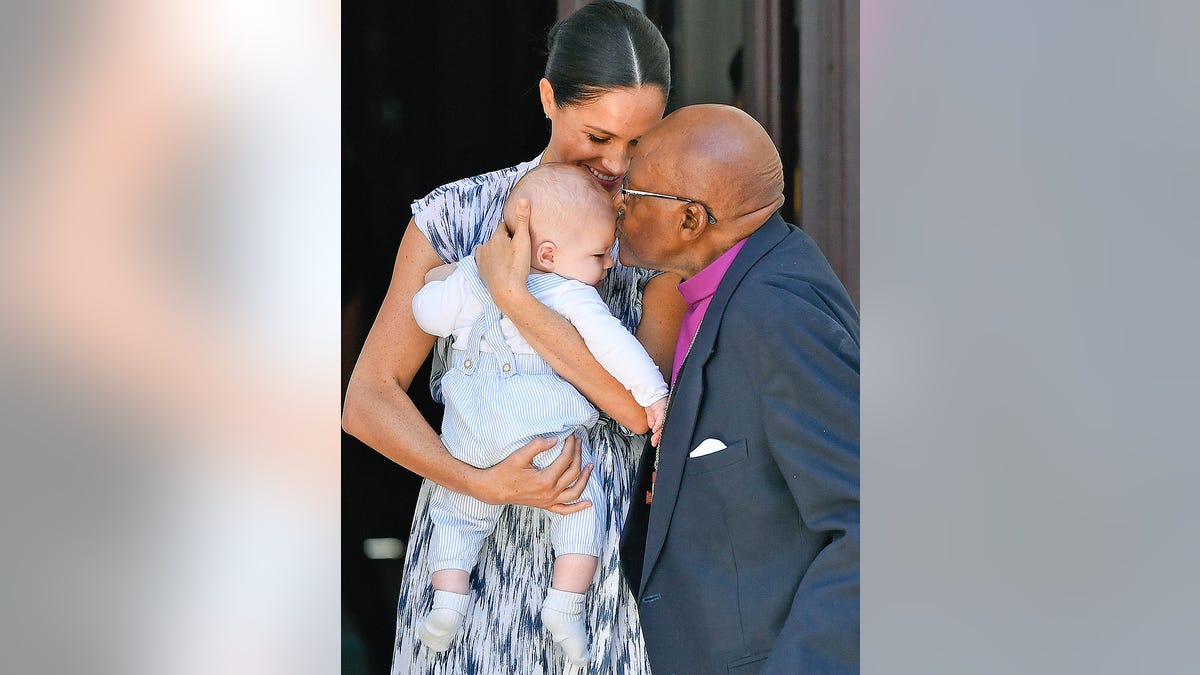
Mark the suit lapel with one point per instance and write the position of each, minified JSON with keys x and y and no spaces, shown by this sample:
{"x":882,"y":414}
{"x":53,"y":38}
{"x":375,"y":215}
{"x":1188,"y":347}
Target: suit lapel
{"x":678,"y":434}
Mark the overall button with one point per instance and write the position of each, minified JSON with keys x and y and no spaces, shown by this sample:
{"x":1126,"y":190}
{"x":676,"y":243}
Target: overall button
{"x":467,"y":363}
{"x":506,"y":367}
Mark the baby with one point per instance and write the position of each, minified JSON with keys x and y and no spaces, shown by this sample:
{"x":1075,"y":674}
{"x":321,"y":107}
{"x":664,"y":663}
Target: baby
{"x":500,"y":395}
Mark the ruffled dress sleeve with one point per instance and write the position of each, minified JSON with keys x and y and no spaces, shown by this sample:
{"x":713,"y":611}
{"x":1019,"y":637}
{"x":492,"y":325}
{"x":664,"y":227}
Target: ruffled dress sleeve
{"x":459,"y":216}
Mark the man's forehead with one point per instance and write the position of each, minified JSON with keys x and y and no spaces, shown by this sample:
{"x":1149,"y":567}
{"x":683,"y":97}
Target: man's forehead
{"x":644,"y":159}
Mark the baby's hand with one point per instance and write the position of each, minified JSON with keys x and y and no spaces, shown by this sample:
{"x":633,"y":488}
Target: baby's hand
{"x":440,"y":272}
{"x":656,"y":414}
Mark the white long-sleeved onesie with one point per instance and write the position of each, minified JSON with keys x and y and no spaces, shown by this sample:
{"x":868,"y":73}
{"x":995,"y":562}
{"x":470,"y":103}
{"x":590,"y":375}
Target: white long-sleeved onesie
{"x":500,"y":394}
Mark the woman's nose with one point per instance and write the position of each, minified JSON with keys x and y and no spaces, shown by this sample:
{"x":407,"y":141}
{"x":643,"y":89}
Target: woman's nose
{"x":615,"y":161}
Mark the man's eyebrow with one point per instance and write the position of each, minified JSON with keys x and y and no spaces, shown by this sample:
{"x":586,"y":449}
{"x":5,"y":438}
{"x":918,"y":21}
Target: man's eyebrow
{"x":602,"y":131}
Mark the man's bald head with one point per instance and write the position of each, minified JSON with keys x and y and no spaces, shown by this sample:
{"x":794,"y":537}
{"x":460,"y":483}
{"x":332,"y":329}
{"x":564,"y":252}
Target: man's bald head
{"x":721,"y":156}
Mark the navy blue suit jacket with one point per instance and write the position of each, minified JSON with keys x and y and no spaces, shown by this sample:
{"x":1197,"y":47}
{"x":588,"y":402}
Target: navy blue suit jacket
{"x":748,"y":560}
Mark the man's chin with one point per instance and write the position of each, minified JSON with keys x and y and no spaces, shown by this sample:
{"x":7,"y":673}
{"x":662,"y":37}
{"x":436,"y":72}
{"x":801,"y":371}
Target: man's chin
{"x":631,"y":261}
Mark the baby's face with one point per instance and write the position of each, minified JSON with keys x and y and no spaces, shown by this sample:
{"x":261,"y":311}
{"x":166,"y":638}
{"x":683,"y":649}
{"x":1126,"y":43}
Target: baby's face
{"x":587,"y":254}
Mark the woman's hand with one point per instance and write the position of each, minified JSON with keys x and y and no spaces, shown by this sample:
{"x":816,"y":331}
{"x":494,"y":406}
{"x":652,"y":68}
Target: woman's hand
{"x":516,"y":481}
{"x":503,"y":260}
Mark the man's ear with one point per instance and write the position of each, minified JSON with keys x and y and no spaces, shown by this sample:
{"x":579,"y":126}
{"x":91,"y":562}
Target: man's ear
{"x":693,"y":222}
{"x":544,"y":260}
{"x":546,"y":93}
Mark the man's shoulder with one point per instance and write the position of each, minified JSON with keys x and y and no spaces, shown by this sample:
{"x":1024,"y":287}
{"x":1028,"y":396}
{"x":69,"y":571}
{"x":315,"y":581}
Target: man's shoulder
{"x":787,"y":276}
{"x":796,"y":257}
{"x":764,"y":299}
{"x":791,"y":284}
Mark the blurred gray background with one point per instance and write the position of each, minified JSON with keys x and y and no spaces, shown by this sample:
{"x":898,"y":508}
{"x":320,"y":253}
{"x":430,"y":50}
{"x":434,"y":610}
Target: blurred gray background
{"x":1030,"y":373}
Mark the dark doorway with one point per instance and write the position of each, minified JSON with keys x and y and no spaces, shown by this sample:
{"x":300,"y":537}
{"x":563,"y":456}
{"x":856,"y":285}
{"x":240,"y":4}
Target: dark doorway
{"x":432,"y":92}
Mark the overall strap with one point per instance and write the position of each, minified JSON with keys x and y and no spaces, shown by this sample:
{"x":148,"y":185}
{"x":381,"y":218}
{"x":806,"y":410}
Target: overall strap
{"x":487,"y":325}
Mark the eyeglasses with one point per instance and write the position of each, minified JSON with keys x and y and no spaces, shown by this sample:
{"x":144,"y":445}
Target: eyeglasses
{"x":640,"y":193}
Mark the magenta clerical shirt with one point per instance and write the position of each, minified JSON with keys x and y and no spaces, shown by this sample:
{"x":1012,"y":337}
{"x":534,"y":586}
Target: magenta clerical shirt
{"x":698,"y":292}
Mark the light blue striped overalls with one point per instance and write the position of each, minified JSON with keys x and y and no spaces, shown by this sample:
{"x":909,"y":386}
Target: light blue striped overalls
{"x":496,"y":402}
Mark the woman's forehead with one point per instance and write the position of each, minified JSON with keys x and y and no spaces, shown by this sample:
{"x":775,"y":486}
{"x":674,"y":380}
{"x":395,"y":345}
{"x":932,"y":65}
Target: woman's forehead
{"x":626,"y":112}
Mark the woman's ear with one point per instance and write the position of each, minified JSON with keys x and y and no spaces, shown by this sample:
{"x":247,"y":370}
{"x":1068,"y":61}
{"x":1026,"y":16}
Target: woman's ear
{"x":544,"y":260}
{"x":546,"y":92}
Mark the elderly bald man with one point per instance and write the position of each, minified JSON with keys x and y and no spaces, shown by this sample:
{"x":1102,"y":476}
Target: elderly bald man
{"x":744,"y":555}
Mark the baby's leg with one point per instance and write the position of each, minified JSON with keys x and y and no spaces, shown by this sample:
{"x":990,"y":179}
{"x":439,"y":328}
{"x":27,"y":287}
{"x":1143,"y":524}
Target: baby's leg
{"x":573,"y":572}
{"x":444,"y":619}
{"x":460,"y":525}
{"x":576,"y":539}
{"x":563,"y":611}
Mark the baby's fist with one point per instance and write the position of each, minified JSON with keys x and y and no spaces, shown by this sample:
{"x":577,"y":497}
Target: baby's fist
{"x":656,"y":414}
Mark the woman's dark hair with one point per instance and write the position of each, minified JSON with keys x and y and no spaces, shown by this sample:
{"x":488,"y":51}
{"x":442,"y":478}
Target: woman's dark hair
{"x":605,"y":45}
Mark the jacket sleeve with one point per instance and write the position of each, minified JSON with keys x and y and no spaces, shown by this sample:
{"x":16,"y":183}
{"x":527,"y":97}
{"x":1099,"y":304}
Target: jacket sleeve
{"x":614,"y":347}
{"x":809,"y":387}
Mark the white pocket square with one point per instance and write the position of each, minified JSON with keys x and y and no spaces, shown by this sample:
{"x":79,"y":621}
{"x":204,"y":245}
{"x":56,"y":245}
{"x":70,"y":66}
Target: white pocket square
{"x":707,"y":447}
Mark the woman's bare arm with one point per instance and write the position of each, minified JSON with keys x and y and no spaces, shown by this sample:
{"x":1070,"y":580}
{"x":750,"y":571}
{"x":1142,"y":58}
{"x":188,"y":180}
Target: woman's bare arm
{"x":379,"y":412}
{"x":503,"y":263}
{"x":662,"y":312}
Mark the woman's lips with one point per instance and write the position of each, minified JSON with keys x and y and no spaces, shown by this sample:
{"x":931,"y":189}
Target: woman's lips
{"x":609,"y":182}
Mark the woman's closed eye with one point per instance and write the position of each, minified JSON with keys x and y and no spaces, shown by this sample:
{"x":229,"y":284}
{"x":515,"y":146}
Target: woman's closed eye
{"x":599,"y":140}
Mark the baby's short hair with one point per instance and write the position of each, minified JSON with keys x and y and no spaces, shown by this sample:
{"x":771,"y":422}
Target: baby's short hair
{"x":557,"y":194}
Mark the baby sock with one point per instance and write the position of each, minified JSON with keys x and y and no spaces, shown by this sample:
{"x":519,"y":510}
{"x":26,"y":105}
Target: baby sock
{"x":444,"y":619}
{"x":562,"y":615}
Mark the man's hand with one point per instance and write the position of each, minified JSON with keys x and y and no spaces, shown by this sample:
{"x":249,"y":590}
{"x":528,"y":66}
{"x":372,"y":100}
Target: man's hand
{"x":503,"y":260}
{"x":440,"y":272}
{"x":516,"y":481}
{"x":656,"y":414}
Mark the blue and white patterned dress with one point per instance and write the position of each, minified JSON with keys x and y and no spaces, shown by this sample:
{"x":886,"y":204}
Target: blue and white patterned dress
{"x":503,"y":632}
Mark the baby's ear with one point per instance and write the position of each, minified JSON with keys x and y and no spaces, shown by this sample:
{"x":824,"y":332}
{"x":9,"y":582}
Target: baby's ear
{"x":545,"y":255}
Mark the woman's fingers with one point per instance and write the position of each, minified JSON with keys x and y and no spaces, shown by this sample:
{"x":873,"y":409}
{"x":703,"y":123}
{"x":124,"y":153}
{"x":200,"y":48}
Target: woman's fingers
{"x":569,"y":480}
{"x":567,"y":467}
{"x":565,"y":509}
{"x":503,"y":260}
{"x":519,"y":228}
{"x":575,"y":491}
{"x":573,"y":479}
{"x":550,"y":488}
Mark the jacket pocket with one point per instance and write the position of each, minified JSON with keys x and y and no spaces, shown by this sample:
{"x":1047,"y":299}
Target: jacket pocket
{"x":732,"y":454}
{"x":748,"y":665}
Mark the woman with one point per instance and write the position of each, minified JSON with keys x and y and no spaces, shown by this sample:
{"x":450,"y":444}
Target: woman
{"x":606,"y":81}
